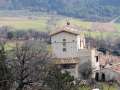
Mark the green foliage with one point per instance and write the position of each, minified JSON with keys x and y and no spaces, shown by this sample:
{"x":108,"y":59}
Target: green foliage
{"x":5,"y":74}
{"x":57,"y":80}
{"x":109,"y":87}
{"x":102,"y":86}
{"x":20,"y":23}
{"x":117,"y":26}
{"x":88,"y":9}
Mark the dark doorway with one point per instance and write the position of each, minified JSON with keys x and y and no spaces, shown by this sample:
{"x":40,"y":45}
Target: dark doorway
{"x":97,"y":76}
{"x":103,"y":77}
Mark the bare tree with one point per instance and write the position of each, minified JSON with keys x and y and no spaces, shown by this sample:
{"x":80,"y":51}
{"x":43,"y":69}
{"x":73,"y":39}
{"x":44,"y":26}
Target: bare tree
{"x":30,"y":61}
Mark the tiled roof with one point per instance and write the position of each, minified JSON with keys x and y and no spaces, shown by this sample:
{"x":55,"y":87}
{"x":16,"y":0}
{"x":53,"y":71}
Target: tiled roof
{"x":116,"y":68}
{"x":108,"y":59}
{"x":115,"y":59}
{"x":66,"y":60}
{"x":67,"y":28}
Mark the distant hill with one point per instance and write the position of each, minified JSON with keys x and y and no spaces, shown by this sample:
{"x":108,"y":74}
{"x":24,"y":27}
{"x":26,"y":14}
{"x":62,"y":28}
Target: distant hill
{"x":88,"y":9}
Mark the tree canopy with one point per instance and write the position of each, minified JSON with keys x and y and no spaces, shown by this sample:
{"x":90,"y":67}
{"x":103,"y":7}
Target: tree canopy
{"x":90,"y":9}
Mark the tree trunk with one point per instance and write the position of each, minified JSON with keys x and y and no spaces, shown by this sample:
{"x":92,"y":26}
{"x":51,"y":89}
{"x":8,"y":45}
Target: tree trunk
{"x":20,"y":87}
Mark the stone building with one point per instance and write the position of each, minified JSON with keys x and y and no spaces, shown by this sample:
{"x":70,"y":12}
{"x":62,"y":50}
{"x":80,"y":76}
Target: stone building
{"x":109,"y":68}
{"x":69,"y":50}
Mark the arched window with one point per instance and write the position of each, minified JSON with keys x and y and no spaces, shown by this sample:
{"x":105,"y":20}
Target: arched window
{"x":97,"y":76}
{"x":103,"y":77}
{"x":96,"y":58}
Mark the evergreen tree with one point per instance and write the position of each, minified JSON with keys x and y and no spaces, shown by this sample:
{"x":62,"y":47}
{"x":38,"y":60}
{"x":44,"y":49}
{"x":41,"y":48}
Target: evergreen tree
{"x":5,"y":75}
{"x":56,"y":80}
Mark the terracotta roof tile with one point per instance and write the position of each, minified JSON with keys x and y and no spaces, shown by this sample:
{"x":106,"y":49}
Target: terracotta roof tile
{"x":109,"y":59}
{"x":116,"y":68}
{"x":67,"y":28}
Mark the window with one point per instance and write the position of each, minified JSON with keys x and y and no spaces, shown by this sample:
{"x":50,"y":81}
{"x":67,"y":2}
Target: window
{"x":102,"y":66}
{"x":68,"y":66}
{"x":64,"y":43}
{"x":64,"y":49}
{"x":97,"y":76}
{"x":64,"y":40}
{"x":96,"y":58}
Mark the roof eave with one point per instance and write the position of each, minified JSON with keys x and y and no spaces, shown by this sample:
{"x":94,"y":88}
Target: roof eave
{"x":74,"y":33}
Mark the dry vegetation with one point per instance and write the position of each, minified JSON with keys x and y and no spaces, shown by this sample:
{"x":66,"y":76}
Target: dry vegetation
{"x":47,"y":23}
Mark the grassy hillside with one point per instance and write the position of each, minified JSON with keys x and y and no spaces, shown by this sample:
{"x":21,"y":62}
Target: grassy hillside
{"x":45,"y":23}
{"x":117,"y":26}
{"x":82,"y":24}
{"x":39,"y":23}
{"x":24,"y":23}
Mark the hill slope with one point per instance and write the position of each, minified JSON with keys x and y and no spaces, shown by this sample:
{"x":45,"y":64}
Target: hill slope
{"x":47,"y":23}
{"x":87,"y":9}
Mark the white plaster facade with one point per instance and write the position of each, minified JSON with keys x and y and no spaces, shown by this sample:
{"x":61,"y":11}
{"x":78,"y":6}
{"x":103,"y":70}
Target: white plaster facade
{"x":70,"y":45}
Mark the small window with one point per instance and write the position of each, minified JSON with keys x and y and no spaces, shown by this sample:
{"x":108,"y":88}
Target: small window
{"x":64,"y":49}
{"x":96,"y":58}
{"x":103,"y":66}
{"x":64,"y":43}
{"x":65,"y":66}
{"x":64,"y":40}
{"x":110,"y":64}
{"x":68,"y":66}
